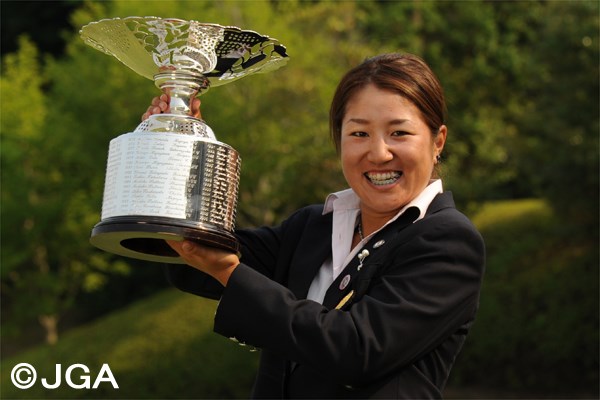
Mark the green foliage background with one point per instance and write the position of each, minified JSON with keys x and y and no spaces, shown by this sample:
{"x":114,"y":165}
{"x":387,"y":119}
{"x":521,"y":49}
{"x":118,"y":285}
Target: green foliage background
{"x":521,"y":80}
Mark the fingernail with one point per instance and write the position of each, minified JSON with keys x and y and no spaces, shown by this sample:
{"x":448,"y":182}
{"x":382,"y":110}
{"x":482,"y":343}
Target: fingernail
{"x":187,"y":246}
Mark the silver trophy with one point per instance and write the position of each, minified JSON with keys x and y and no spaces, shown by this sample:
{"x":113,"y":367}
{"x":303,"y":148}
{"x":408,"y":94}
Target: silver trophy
{"x":171,"y":178}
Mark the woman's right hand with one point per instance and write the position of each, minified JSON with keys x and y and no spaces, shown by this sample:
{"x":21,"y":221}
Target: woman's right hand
{"x":160,"y":105}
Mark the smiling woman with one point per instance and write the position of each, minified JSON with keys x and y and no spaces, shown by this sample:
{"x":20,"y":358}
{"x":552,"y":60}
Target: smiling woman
{"x":372,"y":294}
{"x":388,"y":152}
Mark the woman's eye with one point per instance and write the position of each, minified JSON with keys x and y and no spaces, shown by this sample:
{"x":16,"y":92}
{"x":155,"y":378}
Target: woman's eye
{"x":400,"y":133}
{"x":359,"y":134}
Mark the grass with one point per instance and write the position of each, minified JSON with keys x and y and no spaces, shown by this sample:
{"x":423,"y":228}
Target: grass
{"x":159,"y":348}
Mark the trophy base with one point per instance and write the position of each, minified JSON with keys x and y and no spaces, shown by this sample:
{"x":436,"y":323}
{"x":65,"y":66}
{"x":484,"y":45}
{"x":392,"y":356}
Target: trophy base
{"x":143,"y":238}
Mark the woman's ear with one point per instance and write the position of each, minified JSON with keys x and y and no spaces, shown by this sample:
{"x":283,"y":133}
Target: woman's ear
{"x":439,"y":140}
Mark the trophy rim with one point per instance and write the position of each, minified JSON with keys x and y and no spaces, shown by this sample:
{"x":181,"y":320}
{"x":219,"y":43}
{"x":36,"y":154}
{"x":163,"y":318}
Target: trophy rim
{"x":149,"y":67}
{"x":116,"y":235}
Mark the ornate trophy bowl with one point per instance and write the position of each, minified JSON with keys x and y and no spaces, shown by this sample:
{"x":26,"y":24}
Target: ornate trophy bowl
{"x":171,"y":179}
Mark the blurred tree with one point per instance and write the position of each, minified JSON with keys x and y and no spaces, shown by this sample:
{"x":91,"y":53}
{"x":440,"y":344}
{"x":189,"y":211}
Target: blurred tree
{"x":43,"y":23}
{"x":557,"y":143}
{"x":43,"y":207}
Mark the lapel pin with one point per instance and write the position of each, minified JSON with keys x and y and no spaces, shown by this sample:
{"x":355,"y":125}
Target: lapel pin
{"x":361,"y":257}
{"x":345,"y":300}
{"x":345,"y":281}
{"x":379,"y":244}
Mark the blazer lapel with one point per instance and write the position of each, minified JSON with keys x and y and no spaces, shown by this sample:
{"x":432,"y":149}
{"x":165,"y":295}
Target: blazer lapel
{"x":355,"y":277}
{"x":354,"y":281}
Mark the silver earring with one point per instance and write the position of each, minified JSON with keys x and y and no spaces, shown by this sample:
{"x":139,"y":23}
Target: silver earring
{"x":438,"y":159}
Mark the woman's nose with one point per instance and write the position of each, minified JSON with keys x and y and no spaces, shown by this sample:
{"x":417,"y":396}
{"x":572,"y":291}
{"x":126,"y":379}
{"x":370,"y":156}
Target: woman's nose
{"x":379,"y":151}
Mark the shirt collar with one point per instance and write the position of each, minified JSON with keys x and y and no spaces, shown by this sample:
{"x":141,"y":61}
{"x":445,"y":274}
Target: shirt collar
{"x":342,"y":200}
{"x":348,"y":200}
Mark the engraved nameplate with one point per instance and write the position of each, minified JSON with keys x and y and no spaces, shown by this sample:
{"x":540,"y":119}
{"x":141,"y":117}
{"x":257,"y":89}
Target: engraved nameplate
{"x":158,"y":174}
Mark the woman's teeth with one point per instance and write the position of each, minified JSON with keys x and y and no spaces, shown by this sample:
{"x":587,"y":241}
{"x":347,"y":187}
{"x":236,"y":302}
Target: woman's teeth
{"x":383,"y":178}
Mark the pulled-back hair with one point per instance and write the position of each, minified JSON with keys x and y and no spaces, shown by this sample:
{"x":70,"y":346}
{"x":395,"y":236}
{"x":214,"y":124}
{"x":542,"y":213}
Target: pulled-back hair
{"x":405,"y":74}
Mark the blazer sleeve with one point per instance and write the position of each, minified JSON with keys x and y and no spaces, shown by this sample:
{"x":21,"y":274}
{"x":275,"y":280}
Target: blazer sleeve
{"x":426,"y":289}
{"x":263,"y":248}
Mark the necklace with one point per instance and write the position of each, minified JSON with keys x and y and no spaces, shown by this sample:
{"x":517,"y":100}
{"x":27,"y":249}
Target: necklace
{"x":359,"y":229}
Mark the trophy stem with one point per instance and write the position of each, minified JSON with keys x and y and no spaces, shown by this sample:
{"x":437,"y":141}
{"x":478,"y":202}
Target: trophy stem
{"x":182,"y":87}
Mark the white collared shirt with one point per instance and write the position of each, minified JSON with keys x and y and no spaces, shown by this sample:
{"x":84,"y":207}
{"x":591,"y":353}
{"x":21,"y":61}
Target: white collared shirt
{"x":345,"y":206}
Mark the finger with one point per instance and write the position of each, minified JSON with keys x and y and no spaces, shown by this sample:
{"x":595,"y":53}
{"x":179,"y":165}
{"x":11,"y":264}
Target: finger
{"x":196,"y":108}
{"x":178,"y":247}
{"x":148,"y":113}
{"x":189,"y":248}
{"x":184,"y":248}
{"x":163,"y":106}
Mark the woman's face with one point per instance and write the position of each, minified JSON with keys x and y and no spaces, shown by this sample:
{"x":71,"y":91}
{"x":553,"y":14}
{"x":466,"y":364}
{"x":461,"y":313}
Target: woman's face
{"x":387,"y":150}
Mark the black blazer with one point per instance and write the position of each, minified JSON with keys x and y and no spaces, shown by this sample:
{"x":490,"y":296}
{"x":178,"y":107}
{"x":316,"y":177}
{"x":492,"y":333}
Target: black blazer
{"x":407,"y":311}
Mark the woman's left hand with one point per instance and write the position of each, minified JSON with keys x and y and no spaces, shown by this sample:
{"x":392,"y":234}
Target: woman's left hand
{"x":162,"y":104}
{"x":217,"y":263}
